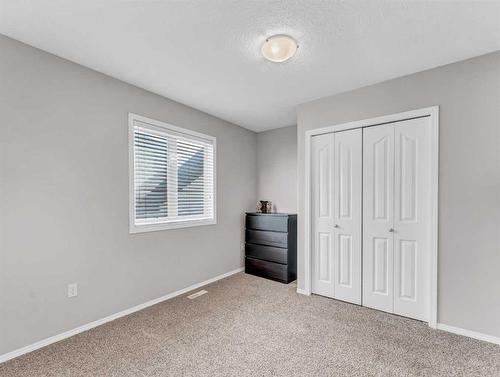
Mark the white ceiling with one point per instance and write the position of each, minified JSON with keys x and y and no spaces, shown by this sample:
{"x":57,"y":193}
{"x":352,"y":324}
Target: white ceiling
{"x":206,"y":54}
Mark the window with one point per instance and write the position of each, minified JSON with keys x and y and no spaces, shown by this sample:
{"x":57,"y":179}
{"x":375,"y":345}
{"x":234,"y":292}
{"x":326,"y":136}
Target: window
{"x":172,"y":176}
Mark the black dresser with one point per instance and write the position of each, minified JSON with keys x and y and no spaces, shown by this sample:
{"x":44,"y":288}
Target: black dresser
{"x":271,"y":245}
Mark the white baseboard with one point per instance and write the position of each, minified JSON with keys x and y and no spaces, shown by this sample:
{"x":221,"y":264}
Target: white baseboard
{"x":469,"y":333}
{"x":91,"y":325}
{"x":452,"y":329}
{"x":302,"y":292}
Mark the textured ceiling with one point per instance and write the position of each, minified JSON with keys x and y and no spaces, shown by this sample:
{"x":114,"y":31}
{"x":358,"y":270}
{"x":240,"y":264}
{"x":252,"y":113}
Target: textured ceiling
{"x":206,"y":54}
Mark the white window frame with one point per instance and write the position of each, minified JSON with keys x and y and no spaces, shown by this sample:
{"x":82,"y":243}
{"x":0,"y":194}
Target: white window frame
{"x":182,"y":223}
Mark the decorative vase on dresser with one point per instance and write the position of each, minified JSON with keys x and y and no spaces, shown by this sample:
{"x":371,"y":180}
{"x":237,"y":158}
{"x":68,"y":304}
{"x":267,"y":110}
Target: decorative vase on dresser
{"x":271,"y":245}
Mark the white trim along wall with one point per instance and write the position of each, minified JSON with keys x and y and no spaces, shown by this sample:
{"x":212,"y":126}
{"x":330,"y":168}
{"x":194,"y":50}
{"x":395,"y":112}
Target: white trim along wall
{"x":433,"y":113}
{"x":56,"y":338}
{"x":469,"y":333}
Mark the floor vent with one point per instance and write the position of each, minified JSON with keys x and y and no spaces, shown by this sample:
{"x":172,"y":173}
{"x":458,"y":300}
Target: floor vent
{"x":197,"y":294}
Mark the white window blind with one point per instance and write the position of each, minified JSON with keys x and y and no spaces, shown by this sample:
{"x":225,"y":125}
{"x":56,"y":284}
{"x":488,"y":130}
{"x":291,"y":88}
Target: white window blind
{"x":173,"y":176}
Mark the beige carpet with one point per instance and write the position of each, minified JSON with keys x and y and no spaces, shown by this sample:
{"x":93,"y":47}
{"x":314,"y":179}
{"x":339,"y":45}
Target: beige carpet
{"x":247,"y":326}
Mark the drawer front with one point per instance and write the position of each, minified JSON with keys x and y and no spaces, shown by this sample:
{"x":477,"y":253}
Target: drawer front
{"x":266,"y":269}
{"x":267,"y":238}
{"x":275,"y":223}
{"x":269,"y":253}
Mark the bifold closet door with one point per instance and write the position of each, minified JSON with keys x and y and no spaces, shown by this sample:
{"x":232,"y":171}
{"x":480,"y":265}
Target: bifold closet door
{"x":322,"y":214}
{"x":396,"y":217}
{"x":412,"y":218}
{"x":378,"y":217}
{"x":348,"y":167}
{"x":337,"y":193}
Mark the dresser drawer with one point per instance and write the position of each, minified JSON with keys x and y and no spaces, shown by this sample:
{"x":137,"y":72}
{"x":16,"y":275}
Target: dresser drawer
{"x":269,"y":222}
{"x":269,"y":253}
{"x":266,"y":269}
{"x":263,"y":237}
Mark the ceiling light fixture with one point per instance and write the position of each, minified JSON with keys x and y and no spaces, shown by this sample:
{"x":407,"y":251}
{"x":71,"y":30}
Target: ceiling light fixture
{"x":279,"y":48}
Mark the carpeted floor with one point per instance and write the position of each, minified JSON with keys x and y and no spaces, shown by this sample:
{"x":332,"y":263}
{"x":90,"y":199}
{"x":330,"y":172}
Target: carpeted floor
{"x":247,"y":326}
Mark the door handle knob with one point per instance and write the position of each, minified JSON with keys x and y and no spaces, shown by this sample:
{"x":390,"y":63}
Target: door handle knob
{"x":391,"y":230}
{"x":336,"y":226}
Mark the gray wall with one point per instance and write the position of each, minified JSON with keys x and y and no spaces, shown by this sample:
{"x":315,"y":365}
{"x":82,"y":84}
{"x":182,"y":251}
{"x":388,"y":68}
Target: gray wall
{"x":64,"y":198}
{"x":468,"y":94}
{"x":277,"y":168}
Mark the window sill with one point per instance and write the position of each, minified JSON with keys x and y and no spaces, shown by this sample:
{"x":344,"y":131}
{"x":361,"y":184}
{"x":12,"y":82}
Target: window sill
{"x":166,"y":226}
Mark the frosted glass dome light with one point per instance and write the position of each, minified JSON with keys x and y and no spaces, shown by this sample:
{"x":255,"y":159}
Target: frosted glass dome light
{"x":279,"y":48}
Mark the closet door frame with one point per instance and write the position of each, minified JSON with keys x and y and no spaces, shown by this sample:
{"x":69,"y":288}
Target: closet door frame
{"x":433,"y":114}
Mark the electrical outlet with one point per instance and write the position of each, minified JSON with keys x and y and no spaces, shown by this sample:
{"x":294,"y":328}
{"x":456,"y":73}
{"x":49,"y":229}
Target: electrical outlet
{"x":72,"y":290}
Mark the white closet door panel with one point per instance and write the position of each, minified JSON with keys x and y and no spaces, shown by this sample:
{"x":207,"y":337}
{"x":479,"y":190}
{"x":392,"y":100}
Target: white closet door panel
{"x":411,"y":220}
{"x":347,"y":215}
{"x":322,"y":175}
{"x":378,"y":217}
